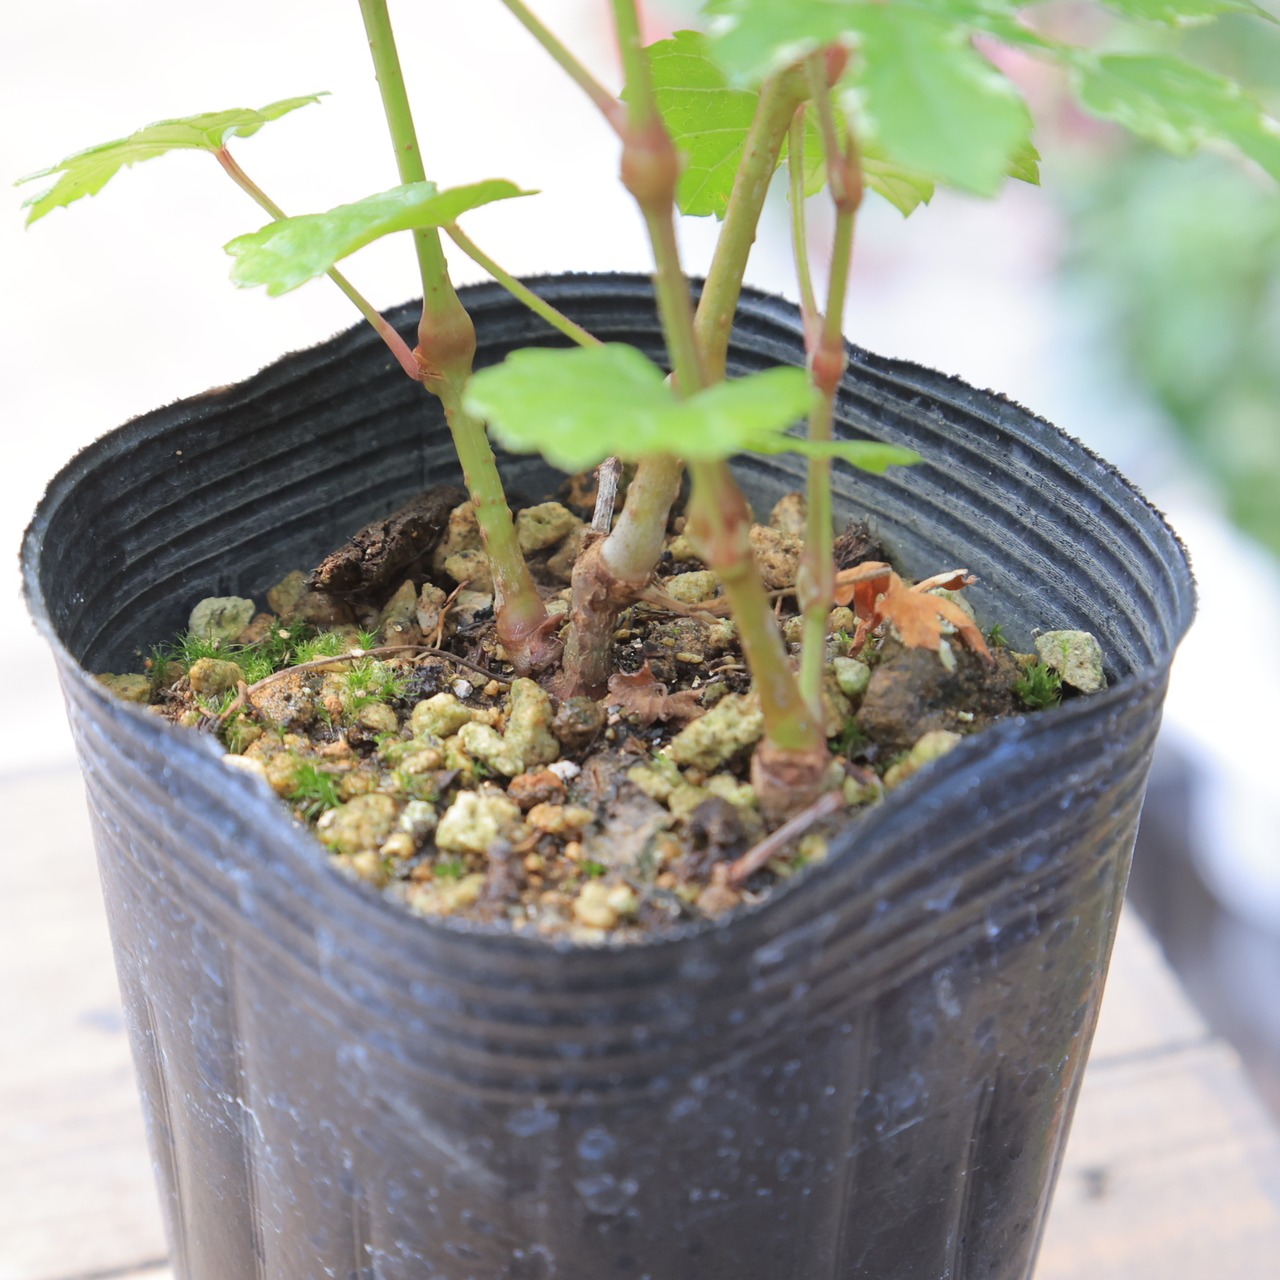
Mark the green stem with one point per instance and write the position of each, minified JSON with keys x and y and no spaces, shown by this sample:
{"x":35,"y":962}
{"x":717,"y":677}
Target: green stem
{"x":720,"y":522}
{"x":799,"y":229}
{"x":539,"y":306}
{"x":816,"y":579}
{"x":446,"y":350}
{"x":522,"y":621}
{"x":650,"y":171}
{"x":583,"y":78}
{"x":398,"y":346}
{"x":780,"y":96}
{"x":635,"y":544}
{"x":675,"y":304}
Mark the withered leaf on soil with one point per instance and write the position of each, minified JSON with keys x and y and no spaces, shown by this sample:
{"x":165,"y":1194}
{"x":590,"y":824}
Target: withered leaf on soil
{"x":648,"y":700}
{"x":879,"y":595}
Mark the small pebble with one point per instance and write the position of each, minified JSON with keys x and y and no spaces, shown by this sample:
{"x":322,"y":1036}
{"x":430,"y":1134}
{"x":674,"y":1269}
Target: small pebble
{"x":530,"y":789}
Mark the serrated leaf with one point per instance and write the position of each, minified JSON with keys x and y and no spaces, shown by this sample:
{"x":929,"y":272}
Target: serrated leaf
{"x":1176,"y":105}
{"x":932,"y":103}
{"x":752,"y":38}
{"x":578,"y":407}
{"x":1025,"y":164}
{"x":284,"y":254}
{"x":999,"y":19}
{"x":706,"y":118}
{"x":1184,"y":13}
{"x":905,"y":190}
{"x":922,"y":94}
{"x":709,"y":121}
{"x":86,"y":172}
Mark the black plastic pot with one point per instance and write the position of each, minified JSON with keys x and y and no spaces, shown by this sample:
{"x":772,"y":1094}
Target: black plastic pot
{"x":871,"y":1076}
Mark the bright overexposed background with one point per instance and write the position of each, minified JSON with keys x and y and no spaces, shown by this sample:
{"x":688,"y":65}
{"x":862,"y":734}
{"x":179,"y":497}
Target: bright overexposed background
{"x":122,"y":303}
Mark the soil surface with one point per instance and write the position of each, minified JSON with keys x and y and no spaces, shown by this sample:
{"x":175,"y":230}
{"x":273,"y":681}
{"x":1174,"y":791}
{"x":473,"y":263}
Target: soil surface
{"x":380,"y":709}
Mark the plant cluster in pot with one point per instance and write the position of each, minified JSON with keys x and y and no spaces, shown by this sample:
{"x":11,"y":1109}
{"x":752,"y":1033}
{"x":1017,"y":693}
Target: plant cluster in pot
{"x":868,"y":1070}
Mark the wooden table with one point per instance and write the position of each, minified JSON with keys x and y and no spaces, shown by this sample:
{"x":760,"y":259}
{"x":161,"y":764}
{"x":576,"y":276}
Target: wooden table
{"x":1172,"y":1172}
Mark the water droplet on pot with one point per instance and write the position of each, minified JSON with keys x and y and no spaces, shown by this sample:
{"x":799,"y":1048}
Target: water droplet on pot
{"x":603,"y":1193}
{"x":596,"y":1144}
{"x":532,"y":1120}
{"x":944,"y":898}
{"x":537,"y":1262}
{"x":945,"y":993}
{"x":682,"y":1107}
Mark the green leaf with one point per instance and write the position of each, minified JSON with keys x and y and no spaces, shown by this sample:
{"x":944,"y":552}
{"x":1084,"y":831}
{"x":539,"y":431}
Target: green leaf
{"x":87,"y":172}
{"x":998,"y":19}
{"x":1184,"y":13}
{"x":709,"y":121}
{"x":866,"y":455}
{"x":752,"y":38}
{"x":935,"y":105}
{"x":282,"y":255}
{"x":1176,"y":105}
{"x":706,"y":118}
{"x":577,"y":407}
{"x":1025,"y":165}
{"x":905,"y":190}
{"x":923,"y":95}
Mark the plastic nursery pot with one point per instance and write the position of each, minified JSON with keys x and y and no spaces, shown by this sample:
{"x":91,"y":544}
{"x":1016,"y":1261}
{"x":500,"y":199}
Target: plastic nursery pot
{"x":870,"y":1076}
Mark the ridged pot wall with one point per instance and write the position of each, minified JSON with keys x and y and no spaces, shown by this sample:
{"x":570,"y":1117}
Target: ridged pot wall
{"x":871,"y":1076}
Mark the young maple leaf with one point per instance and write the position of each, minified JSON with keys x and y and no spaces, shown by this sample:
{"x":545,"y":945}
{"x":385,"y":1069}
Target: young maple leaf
{"x":879,"y":595}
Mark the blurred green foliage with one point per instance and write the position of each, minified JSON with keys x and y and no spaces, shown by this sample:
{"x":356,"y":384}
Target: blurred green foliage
{"x":1180,"y":260}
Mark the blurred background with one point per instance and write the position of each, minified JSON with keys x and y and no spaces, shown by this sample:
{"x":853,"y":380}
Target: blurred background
{"x":1132,"y":299}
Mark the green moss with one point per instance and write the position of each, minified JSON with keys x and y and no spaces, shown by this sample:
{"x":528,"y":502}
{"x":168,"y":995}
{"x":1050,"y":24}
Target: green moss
{"x":1040,"y":687}
{"x":313,"y":791}
{"x":326,"y":644}
{"x":850,"y":738}
{"x":368,"y":681}
{"x":278,"y":649}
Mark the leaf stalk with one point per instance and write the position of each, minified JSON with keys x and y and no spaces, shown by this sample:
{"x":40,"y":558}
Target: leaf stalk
{"x":539,"y":306}
{"x":608,"y":105}
{"x":397,"y":345}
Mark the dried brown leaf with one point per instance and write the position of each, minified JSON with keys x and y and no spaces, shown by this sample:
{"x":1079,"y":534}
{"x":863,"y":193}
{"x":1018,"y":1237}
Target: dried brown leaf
{"x":647,"y":699}
{"x":879,"y":595}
